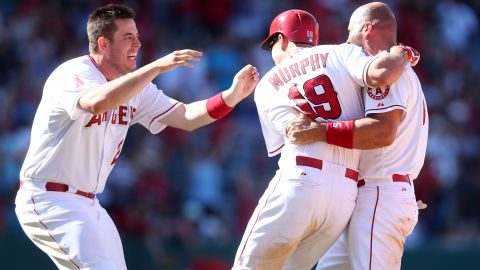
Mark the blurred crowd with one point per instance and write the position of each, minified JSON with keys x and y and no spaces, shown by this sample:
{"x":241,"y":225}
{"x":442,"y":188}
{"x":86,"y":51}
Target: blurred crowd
{"x":189,"y":195}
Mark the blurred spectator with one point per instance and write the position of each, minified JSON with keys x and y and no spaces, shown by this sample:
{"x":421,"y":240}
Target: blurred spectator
{"x":458,"y":23}
{"x":206,"y":184}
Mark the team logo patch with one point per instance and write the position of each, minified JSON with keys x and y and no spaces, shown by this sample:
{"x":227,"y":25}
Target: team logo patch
{"x":78,"y":81}
{"x":309,"y":36}
{"x":379,"y":92}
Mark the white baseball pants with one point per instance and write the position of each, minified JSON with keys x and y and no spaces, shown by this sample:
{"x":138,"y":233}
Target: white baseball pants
{"x":300,"y":215}
{"x":76,"y":232}
{"x":385,"y":214}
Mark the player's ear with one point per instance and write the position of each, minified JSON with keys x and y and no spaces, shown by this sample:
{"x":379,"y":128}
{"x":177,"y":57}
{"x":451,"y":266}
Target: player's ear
{"x":367,"y":26}
{"x":102,"y":43}
{"x":283,"y":41}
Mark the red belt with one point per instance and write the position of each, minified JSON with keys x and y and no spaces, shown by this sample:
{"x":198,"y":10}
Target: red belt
{"x":50,"y":186}
{"x":318,"y":164}
{"x":395,"y":178}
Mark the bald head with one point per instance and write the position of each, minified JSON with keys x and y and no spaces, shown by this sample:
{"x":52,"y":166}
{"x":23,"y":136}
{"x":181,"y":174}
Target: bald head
{"x":375,"y":12}
{"x":373,"y":23}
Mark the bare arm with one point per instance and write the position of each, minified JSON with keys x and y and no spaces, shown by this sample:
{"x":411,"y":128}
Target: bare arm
{"x":118,"y":91}
{"x":194,"y":115}
{"x":375,"y":131}
{"x":386,"y":68}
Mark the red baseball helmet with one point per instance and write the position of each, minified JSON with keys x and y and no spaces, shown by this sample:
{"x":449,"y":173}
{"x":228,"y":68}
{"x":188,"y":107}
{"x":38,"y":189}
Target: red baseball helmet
{"x":296,"y":25}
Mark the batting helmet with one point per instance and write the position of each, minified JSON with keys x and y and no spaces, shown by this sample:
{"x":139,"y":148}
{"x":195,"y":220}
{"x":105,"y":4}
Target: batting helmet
{"x":296,"y":25}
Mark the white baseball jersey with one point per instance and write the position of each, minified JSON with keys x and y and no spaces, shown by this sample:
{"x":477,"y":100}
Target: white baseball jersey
{"x":320,"y":82}
{"x":77,"y":148}
{"x":407,"y":153}
{"x":324,"y":83}
{"x":386,"y":212}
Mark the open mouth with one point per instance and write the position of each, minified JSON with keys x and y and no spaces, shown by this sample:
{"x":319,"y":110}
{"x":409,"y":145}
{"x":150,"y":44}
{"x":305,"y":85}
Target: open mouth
{"x":132,"y":57}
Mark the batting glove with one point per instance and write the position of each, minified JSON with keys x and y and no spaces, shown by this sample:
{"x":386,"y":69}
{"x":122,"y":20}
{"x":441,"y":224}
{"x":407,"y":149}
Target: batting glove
{"x":413,"y":56}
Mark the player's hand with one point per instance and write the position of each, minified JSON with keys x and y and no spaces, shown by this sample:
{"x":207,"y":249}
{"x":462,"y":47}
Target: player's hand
{"x":243,"y":85}
{"x":413,"y":56}
{"x":303,"y":130}
{"x":421,"y":205}
{"x":180,"y":58}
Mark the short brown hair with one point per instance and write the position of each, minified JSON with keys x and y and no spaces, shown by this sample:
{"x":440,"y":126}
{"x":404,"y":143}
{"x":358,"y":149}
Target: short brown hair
{"x":101,"y":23}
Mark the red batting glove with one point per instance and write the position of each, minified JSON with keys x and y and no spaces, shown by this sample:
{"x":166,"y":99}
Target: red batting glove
{"x":413,"y":56}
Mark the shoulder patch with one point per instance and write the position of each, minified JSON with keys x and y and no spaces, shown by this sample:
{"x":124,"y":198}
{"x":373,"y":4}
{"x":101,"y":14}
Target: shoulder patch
{"x":78,"y":81}
{"x":379,"y":92}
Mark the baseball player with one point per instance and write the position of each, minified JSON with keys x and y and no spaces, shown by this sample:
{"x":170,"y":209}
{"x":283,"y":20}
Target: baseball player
{"x":310,"y":199}
{"x":87,"y":107}
{"x":396,"y":122}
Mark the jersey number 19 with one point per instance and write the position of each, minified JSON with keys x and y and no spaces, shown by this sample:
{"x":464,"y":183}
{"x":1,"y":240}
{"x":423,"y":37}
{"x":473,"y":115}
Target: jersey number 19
{"x":314,"y":104}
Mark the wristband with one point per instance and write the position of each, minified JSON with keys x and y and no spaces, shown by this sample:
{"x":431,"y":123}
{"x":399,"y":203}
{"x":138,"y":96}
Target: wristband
{"x":216,"y":107}
{"x":340,"y":133}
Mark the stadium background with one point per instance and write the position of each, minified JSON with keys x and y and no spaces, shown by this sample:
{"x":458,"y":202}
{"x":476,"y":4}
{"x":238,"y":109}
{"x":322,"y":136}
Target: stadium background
{"x":181,"y":200}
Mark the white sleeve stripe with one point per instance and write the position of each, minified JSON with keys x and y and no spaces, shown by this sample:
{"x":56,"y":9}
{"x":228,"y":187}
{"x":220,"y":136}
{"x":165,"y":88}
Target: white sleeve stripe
{"x":163,"y":113}
{"x":389,"y":108}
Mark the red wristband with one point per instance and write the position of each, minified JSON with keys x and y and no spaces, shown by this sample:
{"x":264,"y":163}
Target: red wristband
{"x":340,"y":133}
{"x":216,"y":107}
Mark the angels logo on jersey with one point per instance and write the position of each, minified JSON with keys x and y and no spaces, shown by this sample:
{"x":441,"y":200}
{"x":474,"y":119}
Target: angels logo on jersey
{"x":78,"y":81}
{"x":379,"y":92}
{"x":121,"y":115}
